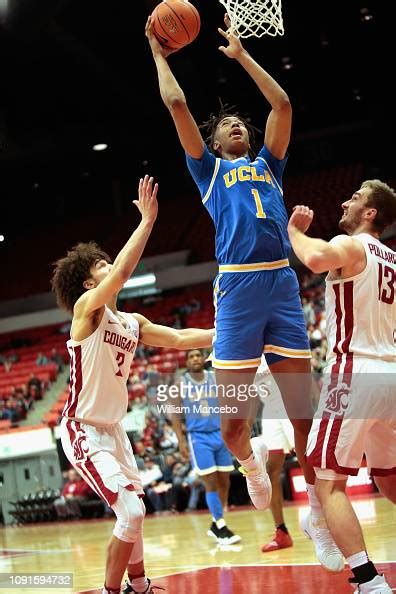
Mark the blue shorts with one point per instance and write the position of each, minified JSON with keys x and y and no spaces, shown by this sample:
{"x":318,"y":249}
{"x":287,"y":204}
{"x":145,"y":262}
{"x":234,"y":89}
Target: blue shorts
{"x":255,"y":313}
{"x":209,"y":453}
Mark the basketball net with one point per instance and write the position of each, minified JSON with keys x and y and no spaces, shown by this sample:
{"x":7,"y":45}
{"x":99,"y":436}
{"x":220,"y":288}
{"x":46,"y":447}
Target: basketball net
{"x":255,"y":18}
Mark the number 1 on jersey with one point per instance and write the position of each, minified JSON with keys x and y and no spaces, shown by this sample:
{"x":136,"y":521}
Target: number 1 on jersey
{"x":260,"y":214}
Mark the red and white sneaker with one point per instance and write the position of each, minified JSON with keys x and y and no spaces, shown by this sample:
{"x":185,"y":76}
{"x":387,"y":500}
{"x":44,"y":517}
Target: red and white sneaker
{"x":281,"y":540}
{"x":257,"y":481}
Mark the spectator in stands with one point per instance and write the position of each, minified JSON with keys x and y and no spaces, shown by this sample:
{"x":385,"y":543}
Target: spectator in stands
{"x":180,"y":486}
{"x":322,"y":322}
{"x":315,"y":337}
{"x":197,"y":490}
{"x":150,"y":433}
{"x":309,"y":313}
{"x":13,"y":357}
{"x":58,"y":359}
{"x":41,"y":359}
{"x":156,"y":488}
{"x":139,"y":449}
{"x":74,"y":492}
{"x":3,"y":414}
{"x":34,"y":387}
{"x":152,"y":380}
{"x":168,"y":440}
{"x":8,"y":360}
{"x":317,"y":363}
{"x":10,"y":412}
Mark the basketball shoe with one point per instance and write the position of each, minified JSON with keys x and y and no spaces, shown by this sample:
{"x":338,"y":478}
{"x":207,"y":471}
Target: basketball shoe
{"x":224,"y":535}
{"x":258,"y":482}
{"x":150,"y":588}
{"x":377,"y":585}
{"x":281,"y":540}
{"x":327,"y":552}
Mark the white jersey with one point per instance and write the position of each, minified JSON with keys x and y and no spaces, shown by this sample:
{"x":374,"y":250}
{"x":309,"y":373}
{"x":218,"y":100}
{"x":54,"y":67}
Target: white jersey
{"x":99,"y":369}
{"x":361,"y":310}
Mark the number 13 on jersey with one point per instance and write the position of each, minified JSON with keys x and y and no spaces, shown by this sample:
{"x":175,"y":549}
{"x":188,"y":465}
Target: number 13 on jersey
{"x":386,"y":284}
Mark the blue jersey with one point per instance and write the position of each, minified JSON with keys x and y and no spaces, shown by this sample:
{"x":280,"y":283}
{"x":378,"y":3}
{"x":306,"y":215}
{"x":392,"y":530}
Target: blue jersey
{"x":245,"y":200}
{"x":198,"y":398}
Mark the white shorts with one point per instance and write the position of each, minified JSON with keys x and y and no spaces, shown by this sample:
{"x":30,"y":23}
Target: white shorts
{"x":103,"y":456}
{"x":278,"y":435}
{"x":356,"y":416}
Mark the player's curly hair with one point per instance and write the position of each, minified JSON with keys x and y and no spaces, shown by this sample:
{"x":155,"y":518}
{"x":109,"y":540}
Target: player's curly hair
{"x":383,"y":198}
{"x":209,"y":127}
{"x":71,"y":271}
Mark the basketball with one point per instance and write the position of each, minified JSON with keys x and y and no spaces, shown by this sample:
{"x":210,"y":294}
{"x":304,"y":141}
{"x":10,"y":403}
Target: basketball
{"x":176,"y":23}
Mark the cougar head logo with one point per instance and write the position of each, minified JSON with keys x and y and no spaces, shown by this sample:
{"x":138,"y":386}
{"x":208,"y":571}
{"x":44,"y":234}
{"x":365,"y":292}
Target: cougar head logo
{"x":80,"y":447}
{"x":337,"y":399}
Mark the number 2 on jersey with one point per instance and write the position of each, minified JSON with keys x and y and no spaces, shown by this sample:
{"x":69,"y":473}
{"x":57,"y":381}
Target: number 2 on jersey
{"x":120,"y":358}
{"x":260,"y":214}
{"x":387,"y":276}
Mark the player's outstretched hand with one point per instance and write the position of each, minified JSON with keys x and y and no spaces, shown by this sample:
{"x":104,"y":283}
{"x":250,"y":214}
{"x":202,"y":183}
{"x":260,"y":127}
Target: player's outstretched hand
{"x":235,"y":47}
{"x":301,"y":218}
{"x":156,"y":47}
{"x":147,"y":203}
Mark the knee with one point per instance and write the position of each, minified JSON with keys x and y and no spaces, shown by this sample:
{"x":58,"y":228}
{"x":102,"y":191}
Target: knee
{"x":323,"y":489}
{"x":387,"y":487}
{"x":130,"y":515}
{"x":302,"y":426}
{"x":274,"y":473}
{"x":233,"y":433}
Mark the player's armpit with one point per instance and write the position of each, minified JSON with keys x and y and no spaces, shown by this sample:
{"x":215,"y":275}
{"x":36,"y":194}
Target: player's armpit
{"x":96,"y":297}
{"x":163,"y":336}
{"x":341,"y":252}
{"x":278,"y":130}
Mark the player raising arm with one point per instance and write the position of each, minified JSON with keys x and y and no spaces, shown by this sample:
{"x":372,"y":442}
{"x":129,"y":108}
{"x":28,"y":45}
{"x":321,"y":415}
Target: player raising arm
{"x":256,"y":293}
{"x":102,"y":346}
{"x":356,"y":413}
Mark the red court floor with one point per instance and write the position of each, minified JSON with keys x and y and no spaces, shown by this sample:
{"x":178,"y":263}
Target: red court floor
{"x":287,"y":579}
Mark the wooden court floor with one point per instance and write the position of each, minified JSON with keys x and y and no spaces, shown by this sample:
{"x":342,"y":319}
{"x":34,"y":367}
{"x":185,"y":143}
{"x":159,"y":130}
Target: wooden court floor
{"x":184,"y":560}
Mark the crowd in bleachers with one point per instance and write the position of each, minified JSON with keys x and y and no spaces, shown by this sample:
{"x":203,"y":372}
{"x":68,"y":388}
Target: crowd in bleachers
{"x":30,"y":361}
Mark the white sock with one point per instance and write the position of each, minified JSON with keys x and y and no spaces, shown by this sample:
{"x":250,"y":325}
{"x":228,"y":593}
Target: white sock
{"x":316,"y":508}
{"x":357,"y":559}
{"x":249,"y":463}
{"x":220,"y":523}
{"x":140,"y":584}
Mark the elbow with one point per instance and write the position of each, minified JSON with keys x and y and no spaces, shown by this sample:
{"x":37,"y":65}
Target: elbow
{"x":179,"y":342}
{"x":283,"y":103}
{"x":176,"y":102}
{"x":315,"y":263}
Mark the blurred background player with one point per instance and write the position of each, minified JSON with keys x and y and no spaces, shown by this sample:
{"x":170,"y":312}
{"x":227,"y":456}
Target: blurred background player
{"x":209,"y":455}
{"x":102,"y":346}
{"x":356,"y":414}
{"x":278,"y":434}
{"x":245,"y":200}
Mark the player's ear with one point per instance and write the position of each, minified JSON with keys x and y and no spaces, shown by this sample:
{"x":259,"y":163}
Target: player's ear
{"x":89,"y":284}
{"x":216,"y":145}
{"x":371,"y":214}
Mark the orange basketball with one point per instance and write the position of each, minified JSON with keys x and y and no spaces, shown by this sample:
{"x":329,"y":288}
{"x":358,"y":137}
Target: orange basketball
{"x":176,"y":23}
